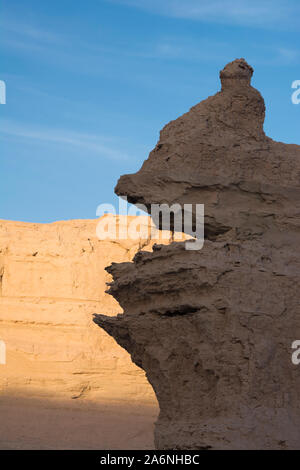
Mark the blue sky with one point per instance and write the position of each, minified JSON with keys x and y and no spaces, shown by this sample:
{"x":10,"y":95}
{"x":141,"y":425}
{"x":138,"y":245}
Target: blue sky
{"x":90,"y":84}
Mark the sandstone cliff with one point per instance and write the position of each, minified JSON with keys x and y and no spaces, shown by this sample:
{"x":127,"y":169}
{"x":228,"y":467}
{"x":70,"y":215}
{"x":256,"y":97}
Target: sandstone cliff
{"x":52,"y":279}
{"x":213,"y":328}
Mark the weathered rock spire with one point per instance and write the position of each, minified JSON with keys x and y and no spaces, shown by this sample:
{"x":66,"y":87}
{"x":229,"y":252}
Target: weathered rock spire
{"x":213,"y":329}
{"x":236,"y":73}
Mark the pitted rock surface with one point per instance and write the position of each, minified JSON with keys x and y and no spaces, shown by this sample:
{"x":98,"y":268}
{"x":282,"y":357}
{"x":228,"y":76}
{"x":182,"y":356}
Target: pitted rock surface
{"x":213,"y":328}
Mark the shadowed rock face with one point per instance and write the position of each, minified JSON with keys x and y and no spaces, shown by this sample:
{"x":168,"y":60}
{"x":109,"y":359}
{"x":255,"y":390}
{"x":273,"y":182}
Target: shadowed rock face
{"x":213,"y":329}
{"x":217,"y":154}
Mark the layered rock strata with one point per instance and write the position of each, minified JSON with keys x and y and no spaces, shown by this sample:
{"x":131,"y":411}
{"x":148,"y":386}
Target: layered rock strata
{"x":52,"y":278}
{"x":63,"y":385}
{"x":213,"y":328}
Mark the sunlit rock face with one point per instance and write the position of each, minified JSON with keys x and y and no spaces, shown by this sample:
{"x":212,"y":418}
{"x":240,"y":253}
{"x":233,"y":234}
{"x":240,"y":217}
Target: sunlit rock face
{"x":59,"y":374}
{"x":213,"y":329}
{"x":52,"y":279}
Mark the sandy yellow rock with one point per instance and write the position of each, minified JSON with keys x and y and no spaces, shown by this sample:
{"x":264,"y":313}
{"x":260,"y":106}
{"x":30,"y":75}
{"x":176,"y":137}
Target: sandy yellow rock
{"x":52,"y":280}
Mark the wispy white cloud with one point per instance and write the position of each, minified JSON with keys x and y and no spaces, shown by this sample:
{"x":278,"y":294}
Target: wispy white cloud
{"x":288,"y":55}
{"x":106,"y":58}
{"x":31,"y":32}
{"x":263,"y":13}
{"x":188,"y":49}
{"x":191,"y":49}
{"x":32,"y":38}
{"x":99,"y":145}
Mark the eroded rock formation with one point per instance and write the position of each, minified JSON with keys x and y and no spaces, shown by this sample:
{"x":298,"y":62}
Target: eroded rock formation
{"x":213,"y":328}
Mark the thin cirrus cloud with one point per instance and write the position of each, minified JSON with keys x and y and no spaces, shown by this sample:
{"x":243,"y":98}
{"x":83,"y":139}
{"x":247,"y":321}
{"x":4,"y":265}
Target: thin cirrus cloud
{"x":99,"y":146}
{"x":31,"y":39}
{"x":261,"y":13}
{"x":21,"y":30}
{"x":174,"y":48}
{"x":28,"y":37}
